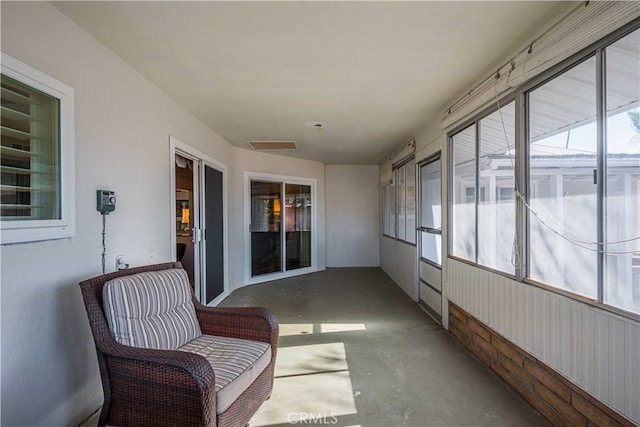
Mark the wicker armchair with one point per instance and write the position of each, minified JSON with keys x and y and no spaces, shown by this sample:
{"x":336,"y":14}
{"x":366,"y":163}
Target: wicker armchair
{"x":147,"y":387}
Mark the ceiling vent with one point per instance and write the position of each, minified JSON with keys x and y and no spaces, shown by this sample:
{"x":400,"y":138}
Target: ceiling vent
{"x":272,"y":145}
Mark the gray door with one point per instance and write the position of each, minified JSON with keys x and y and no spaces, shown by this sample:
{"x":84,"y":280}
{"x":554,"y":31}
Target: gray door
{"x":213,"y":236}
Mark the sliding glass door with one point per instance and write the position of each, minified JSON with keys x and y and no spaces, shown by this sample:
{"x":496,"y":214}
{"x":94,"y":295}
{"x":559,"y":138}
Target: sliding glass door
{"x":198,"y":209}
{"x":280,"y":226}
{"x":298,"y":225}
{"x":266,"y":243}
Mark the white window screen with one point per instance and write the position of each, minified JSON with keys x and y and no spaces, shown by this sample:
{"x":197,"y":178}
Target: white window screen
{"x":431,"y":211}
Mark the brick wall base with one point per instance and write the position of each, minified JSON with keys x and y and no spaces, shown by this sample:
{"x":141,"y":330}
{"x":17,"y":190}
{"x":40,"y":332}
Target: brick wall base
{"x":560,"y":401}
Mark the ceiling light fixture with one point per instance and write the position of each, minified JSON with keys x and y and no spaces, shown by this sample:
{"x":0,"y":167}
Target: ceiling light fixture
{"x":317,"y":125}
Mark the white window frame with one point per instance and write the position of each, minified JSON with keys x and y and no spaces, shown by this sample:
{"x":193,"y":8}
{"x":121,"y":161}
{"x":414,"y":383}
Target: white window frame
{"x":22,"y":231}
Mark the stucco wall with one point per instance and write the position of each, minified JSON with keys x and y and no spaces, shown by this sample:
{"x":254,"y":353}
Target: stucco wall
{"x":49,"y":369}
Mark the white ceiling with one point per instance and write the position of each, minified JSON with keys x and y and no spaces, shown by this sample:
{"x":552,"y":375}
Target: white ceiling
{"x":373,"y":73}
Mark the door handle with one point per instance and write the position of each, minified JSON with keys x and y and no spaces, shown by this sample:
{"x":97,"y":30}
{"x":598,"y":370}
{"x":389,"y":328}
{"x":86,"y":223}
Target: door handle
{"x":197,"y":235}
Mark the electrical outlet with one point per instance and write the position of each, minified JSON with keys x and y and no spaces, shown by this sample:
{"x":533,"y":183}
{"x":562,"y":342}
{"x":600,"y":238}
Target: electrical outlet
{"x":151,"y":255}
{"x":120,"y":264}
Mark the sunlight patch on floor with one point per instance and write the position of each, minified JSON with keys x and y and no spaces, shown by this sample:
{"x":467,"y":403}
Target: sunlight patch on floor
{"x":341,"y":327}
{"x":312,"y":382}
{"x":291,"y":329}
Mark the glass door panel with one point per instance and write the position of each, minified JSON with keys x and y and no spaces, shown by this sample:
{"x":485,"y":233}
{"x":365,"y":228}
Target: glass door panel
{"x":298,"y":226}
{"x":266,"y":241}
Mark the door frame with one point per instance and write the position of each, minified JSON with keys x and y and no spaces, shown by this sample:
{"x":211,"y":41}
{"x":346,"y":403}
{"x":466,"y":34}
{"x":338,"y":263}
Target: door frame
{"x":176,"y":146}
{"x":434,"y":156}
{"x":283,"y":179}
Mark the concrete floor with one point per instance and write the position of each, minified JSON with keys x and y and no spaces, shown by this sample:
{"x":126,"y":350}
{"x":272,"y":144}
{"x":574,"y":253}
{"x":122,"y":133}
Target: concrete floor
{"x":355,"y":350}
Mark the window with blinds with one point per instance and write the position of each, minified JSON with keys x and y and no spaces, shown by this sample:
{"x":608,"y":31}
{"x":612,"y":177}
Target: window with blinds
{"x":405,"y":214}
{"x":37,"y":161}
{"x":30,"y":162}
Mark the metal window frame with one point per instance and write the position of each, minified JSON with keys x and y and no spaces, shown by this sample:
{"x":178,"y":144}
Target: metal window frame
{"x":522,"y":165}
{"x":477,"y":189}
{"x":475,"y":122}
{"x":601,"y":165}
{"x":521,"y":176}
{"x":597,"y":51}
{"x":397,"y":171}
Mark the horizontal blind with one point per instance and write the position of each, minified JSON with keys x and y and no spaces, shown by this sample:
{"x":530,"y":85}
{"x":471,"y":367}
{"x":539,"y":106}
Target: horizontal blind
{"x":579,"y":30}
{"x":479,"y":97}
{"x":583,"y":27}
{"x":401,"y":154}
{"x":30,"y":157}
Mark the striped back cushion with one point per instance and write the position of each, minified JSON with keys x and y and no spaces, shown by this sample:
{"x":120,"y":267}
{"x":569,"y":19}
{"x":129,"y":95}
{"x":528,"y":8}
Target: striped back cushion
{"x":151,"y":309}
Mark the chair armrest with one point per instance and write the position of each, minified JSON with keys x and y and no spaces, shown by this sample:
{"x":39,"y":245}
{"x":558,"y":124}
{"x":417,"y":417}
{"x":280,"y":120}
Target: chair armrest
{"x":250,"y":323}
{"x":194,"y":365}
{"x":166,"y":387}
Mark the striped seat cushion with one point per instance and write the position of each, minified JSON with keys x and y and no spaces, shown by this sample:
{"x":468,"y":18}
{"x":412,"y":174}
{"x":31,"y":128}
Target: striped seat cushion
{"x":235,"y":362}
{"x":151,"y":309}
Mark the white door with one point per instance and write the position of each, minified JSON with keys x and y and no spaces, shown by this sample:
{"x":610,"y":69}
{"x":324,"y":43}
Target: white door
{"x":430,"y":236}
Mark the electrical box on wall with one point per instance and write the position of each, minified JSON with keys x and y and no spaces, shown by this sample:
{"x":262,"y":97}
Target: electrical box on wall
{"x":106,"y":201}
